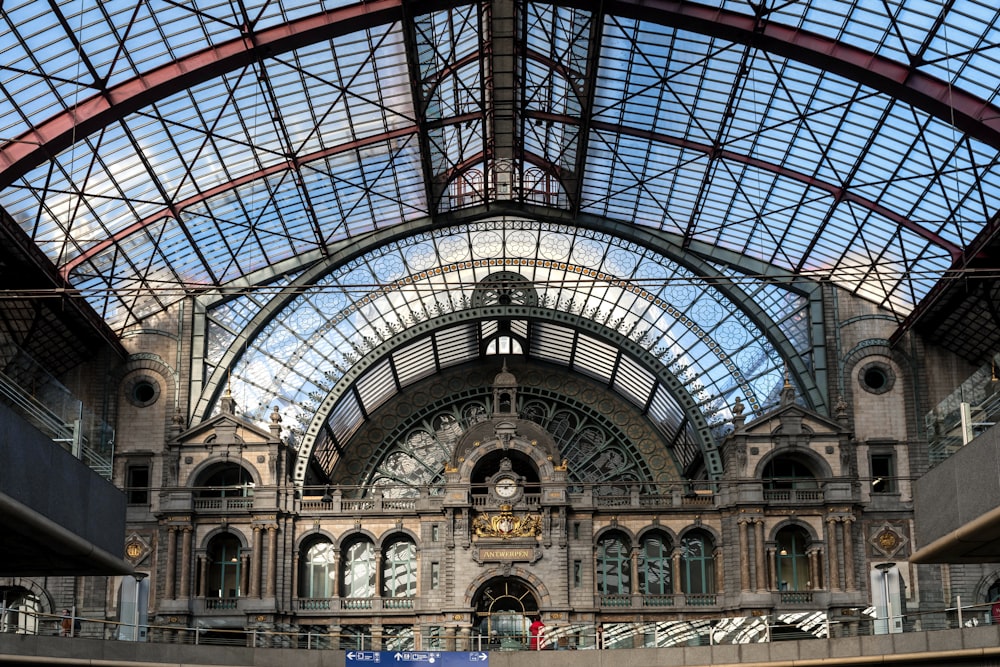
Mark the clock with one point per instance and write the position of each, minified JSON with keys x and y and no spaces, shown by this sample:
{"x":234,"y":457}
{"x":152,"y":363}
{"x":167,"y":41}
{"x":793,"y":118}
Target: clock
{"x":505,"y":488}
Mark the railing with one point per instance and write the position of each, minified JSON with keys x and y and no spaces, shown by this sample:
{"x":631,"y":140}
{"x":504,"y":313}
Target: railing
{"x":223,"y":504}
{"x":214,"y":604}
{"x":616,"y":600}
{"x":717,"y":630}
{"x":946,"y":429}
{"x":356,"y":603}
{"x":658,"y":600}
{"x":701,"y":600}
{"x":353,"y":604}
{"x":679,"y":496}
{"x":50,"y":407}
{"x":315,"y":604}
{"x":813,"y":495}
{"x":796,"y":597}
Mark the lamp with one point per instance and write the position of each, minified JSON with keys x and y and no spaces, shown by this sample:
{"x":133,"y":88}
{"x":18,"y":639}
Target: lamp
{"x":139,"y":576}
{"x":327,"y":499}
{"x":884,"y":569}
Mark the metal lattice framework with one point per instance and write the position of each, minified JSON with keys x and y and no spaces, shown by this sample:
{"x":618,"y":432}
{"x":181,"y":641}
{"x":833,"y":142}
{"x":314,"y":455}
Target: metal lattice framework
{"x":282,"y":160}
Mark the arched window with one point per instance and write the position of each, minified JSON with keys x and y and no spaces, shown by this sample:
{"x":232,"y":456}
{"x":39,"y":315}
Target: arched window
{"x":993,"y":593}
{"x":614,"y":567}
{"x":359,"y":570}
{"x":655,"y":575}
{"x":224,"y":567}
{"x":318,"y":571}
{"x":792,"y":561}
{"x":224,"y":480}
{"x":788,"y":473}
{"x":504,"y":345}
{"x":20,"y":610}
{"x":399,"y":570}
{"x":697,"y":563}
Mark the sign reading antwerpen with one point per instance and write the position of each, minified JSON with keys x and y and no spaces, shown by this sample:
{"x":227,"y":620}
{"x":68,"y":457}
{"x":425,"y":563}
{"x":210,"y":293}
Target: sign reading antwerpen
{"x":417,"y":659}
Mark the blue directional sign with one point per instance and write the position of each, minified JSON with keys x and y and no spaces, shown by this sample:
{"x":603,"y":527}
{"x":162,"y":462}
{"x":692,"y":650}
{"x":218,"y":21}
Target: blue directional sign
{"x":418,"y":659}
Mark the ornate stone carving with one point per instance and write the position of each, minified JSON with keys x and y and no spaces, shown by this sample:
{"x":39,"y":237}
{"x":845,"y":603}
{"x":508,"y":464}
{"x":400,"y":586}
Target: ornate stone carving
{"x":506,"y":524}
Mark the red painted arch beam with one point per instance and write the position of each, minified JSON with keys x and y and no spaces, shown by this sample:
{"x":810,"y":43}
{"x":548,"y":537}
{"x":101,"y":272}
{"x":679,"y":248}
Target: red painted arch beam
{"x":973,"y":115}
{"x":56,"y":134}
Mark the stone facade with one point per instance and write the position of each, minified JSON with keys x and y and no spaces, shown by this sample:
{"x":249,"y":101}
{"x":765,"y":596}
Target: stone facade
{"x":796,"y":523}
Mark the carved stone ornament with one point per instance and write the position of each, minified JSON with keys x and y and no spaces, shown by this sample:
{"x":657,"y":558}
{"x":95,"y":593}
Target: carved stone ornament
{"x":506,"y":524}
{"x":136,"y":548}
{"x":888,"y":540}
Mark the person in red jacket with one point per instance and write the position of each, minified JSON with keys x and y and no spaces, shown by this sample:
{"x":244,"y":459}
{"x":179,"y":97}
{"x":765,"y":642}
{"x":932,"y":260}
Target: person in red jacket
{"x":536,"y":641}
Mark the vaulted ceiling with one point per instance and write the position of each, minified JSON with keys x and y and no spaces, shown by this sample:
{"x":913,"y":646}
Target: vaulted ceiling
{"x":650,"y":193}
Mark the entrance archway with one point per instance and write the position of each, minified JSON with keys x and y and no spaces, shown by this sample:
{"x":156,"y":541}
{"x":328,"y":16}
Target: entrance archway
{"x":504,"y":607}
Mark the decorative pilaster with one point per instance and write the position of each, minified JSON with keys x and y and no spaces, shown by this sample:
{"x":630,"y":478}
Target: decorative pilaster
{"x":203,"y":578}
{"x":245,"y":561}
{"x":831,"y":541}
{"x":849,"y":553}
{"x":336,"y":577}
{"x":759,"y":555}
{"x":634,"y":579}
{"x":185,"y":592}
{"x":272,"y":560}
{"x":170,"y":570}
{"x":720,"y":575}
{"x":772,"y":566}
{"x":815,"y":576}
{"x":676,"y":570}
{"x":255,"y":562}
{"x":744,"y":562}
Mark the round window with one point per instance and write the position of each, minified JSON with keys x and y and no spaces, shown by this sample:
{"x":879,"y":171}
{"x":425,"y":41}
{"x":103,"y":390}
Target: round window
{"x":876,"y":377}
{"x":142,"y":390}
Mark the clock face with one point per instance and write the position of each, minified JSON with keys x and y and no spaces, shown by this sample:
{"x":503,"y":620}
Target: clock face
{"x":505,"y":488}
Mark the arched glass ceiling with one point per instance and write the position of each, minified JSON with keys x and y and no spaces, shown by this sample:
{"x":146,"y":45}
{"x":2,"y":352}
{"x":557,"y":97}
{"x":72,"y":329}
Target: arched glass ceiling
{"x":850,"y":141}
{"x":594,"y":293}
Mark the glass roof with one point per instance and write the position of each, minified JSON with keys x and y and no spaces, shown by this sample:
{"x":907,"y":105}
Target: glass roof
{"x":591,"y":292}
{"x":158,"y":150}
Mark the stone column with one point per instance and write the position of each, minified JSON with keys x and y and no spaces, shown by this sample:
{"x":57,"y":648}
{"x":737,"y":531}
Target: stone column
{"x":676,"y":570}
{"x":744,"y":562}
{"x":203,"y":567}
{"x":849,"y":553}
{"x":336,"y":574}
{"x":295,"y":575}
{"x":772,"y":567}
{"x":814,"y":573}
{"x":245,"y":563}
{"x":186,"y":563}
{"x":255,"y":562}
{"x":378,"y":573}
{"x":759,"y":558}
{"x":272,"y":561}
{"x":831,"y":550}
{"x":719,"y":567}
{"x":171,"y":564}
{"x":634,"y":564}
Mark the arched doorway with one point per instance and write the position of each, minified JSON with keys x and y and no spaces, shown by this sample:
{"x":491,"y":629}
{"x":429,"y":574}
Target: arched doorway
{"x":504,"y":607}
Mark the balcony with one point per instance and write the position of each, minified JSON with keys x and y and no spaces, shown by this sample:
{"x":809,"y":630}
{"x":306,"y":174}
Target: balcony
{"x":639,"y":601}
{"x":807,"y":496}
{"x":326,"y":606}
{"x":224,"y":504}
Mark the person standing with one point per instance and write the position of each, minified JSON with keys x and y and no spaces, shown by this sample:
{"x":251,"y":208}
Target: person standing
{"x":535,"y":631}
{"x":66,"y":626}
